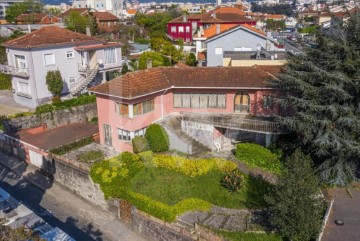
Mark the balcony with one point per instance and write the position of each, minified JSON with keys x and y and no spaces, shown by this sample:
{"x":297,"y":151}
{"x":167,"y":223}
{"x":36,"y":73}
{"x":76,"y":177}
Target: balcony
{"x":15,"y":71}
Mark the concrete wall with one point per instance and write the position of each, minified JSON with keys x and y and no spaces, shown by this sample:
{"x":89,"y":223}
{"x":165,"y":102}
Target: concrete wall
{"x":176,"y":143}
{"x":238,"y":38}
{"x":77,"y":114}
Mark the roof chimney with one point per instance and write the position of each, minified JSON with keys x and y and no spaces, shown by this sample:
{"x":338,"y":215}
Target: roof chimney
{"x":184,"y":18}
{"x":149,"y":64}
{"x":217,"y":28}
{"x":29,"y":28}
{"x":88,"y":32}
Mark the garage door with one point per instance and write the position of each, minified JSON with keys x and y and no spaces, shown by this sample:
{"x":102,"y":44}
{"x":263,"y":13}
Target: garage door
{"x":36,"y":159}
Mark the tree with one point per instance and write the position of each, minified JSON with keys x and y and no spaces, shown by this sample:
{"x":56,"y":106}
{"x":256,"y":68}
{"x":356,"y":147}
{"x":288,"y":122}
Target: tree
{"x":9,"y":234}
{"x":295,"y":206}
{"x":191,"y":59}
{"x":78,"y":23}
{"x":29,"y":6}
{"x":157,"y":60}
{"x":323,"y":97}
{"x":54,"y":82}
{"x":124,"y":69}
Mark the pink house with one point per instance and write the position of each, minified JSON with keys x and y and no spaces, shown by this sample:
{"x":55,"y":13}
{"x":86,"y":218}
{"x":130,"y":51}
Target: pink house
{"x":128,"y":104}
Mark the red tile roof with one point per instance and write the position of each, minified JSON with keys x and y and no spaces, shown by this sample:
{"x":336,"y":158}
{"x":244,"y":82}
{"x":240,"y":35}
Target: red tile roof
{"x":131,"y":11}
{"x":71,"y":10}
{"x":229,"y":10}
{"x":35,"y":17}
{"x":56,"y":137}
{"x":224,"y":27}
{"x":105,"y":16}
{"x":145,"y":82}
{"x":50,"y":36}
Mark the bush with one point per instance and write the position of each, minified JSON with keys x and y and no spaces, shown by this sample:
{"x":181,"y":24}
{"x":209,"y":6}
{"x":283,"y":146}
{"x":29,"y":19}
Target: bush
{"x":232,"y":180}
{"x":91,"y":156}
{"x":56,"y":99}
{"x":139,"y":144}
{"x":81,"y":100}
{"x":54,"y":82}
{"x":5,"y":81}
{"x":71,"y":146}
{"x":257,"y":156}
{"x":190,"y":167}
{"x":157,"y":138}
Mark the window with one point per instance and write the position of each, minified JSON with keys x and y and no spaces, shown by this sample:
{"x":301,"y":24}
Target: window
{"x":140,"y":132}
{"x":124,"y":135}
{"x":267,"y":101}
{"x":203,"y":45}
{"x":181,"y":29}
{"x":200,"y":101}
{"x":173,"y":29}
{"x":218,"y":51}
{"x":72,"y":80}
{"x":49,"y":59}
{"x":122,"y":109}
{"x":110,"y":56}
{"x":70,"y":54}
{"x":144,"y":107}
{"x":187,"y":29}
{"x":23,"y":88}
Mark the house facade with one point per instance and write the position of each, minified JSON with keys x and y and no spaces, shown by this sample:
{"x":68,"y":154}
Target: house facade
{"x":36,"y":18}
{"x":128,"y":104}
{"x":239,"y":38}
{"x":82,"y":61}
{"x":184,"y":27}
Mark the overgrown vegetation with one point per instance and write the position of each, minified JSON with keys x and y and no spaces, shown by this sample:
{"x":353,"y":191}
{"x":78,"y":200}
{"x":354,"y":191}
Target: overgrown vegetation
{"x":233,"y":180}
{"x":54,"y":82}
{"x":15,"y":234}
{"x":257,"y":156}
{"x":139,"y":144}
{"x":323,"y":94}
{"x":296,"y":205}
{"x":156,"y":58}
{"x":18,"y":8}
{"x":284,"y":9}
{"x":157,"y":138}
{"x":165,"y":188}
{"x":243,"y":236}
{"x":5,"y":81}
{"x":91,"y":156}
{"x":78,"y":23}
{"x":62,"y":150}
{"x":81,"y":100}
{"x":191,"y":60}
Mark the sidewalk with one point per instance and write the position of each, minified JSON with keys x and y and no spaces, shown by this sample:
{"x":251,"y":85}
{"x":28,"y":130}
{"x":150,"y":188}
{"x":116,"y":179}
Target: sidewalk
{"x":72,"y":205}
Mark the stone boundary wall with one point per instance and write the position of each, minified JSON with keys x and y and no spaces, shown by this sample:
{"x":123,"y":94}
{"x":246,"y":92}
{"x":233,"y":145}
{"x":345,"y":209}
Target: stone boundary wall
{"x":77,"y":114}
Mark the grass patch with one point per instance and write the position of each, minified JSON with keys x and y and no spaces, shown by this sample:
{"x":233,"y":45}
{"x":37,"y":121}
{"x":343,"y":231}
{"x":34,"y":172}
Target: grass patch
{"x":171,"y":187}
{"x":62,"y":150}
{"x":242,"y":236}
{"x":5,"y":81}
{"x":91,"y":156}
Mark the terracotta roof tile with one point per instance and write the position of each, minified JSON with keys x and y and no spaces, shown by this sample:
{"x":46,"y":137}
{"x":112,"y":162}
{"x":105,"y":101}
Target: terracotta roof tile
{"x":105,"y":16}
{"x":131,"y":11}
{"x":136,"y":84}
{"x":229,"y":10}
{"x":50,"y":36}
{"x":36,"y":17}
{"x":201,"y":56}
{"x":71,"y":10}
{"x":211,"y":31}
{"x":245,"y":26}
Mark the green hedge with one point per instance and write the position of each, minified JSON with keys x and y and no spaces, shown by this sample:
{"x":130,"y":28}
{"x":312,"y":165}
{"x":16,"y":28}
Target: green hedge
{"x":81,"y":100}
{"x":72,"y":146}
{"x":157,"y":138}
{"x":139,"y":144}
{"x":5,"y":81}
{"x":257,"y":156}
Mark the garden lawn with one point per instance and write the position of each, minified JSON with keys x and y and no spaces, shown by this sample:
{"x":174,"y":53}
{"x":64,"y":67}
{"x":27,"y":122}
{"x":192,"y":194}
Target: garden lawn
{"x":171,"y":187}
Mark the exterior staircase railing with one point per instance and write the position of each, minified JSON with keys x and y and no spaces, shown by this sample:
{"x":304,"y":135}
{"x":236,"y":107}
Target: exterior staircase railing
{"x":83,"y":81}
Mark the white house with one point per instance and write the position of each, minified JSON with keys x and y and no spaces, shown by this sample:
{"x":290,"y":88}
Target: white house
{"x":82,"y":61}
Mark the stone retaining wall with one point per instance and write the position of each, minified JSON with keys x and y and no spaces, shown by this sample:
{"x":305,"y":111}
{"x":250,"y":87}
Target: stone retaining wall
{"x":77,"y":114}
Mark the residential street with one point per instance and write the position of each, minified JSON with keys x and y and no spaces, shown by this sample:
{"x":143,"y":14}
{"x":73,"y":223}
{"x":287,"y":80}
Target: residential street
{"x":60,"y":208}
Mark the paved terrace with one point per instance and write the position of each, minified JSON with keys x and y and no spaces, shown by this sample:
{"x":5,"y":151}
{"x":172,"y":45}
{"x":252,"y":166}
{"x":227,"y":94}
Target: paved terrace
{"x":234,"y":121}
{"x":49,"y":139}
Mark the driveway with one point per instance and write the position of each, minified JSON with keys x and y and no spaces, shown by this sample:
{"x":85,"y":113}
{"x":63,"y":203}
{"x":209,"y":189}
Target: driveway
{"x":347,"y":209}
{"x":8,"y":106}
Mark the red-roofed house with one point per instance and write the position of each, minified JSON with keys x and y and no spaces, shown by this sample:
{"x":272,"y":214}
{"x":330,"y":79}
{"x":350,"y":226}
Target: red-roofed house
{"x":36,"y":18}
{"x":106,"y":21}
{"x":184,"y":27}
{"x":82,"y":60}
{"x":214,"y":104}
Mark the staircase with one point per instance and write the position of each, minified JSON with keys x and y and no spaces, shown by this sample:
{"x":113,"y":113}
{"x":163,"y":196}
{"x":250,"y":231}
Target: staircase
{"x":84,"y":81}
{"x":173,"y":124}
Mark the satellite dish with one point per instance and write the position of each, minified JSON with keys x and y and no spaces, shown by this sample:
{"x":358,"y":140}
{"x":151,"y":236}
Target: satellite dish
{"x":100,"y":62}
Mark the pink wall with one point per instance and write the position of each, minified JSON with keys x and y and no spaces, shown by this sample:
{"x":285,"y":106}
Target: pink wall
{"x":177,"y":35}
{"x":164,"y":106}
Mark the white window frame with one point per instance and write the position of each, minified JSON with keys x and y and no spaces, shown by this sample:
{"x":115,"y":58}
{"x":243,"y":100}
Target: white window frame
{"x":72,"y":82}
{"x":187,"y":29}
{"x":72,"y":55}
{"x":218,"y":51}
{"x":181,"y":29}
{"x":115,"y":53}
{"x":123,"y":133}
{"x":140,"y":132}
{"x":28,"y":88}
{"x":52,"y":64}
{"x":173,"y":29}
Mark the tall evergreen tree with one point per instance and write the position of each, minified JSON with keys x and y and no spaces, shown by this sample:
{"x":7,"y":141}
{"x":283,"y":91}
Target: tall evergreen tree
{"x":295,"y":206}
{"x":322,"y":91}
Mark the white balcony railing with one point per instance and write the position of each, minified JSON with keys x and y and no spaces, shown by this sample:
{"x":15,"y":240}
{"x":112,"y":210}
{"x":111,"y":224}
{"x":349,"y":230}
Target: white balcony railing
{"x":16,"y":71}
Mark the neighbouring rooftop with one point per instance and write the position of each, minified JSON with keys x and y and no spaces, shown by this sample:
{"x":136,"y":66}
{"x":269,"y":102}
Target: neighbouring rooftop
{"x":49,"y":139}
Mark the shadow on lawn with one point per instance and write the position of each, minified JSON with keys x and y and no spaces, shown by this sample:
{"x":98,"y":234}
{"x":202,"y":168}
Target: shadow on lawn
{"x":257,"y":189}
